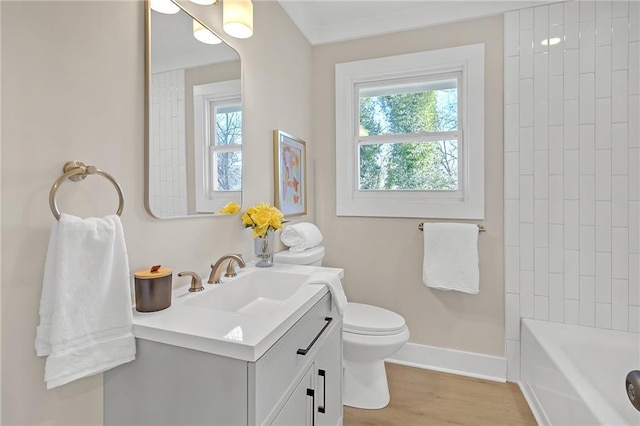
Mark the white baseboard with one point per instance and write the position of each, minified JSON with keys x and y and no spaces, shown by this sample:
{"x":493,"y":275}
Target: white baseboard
{"x":452,"y":361}
{"x":534,"y":405}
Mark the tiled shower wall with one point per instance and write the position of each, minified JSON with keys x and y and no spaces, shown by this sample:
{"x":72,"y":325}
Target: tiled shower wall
{"x":572,"y":161}
{"x":167,"y":145}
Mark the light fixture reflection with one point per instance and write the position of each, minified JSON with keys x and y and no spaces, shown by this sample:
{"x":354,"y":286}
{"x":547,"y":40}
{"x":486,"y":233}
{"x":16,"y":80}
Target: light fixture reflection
{"x":237,"y":18}
{"x":550,"y":41}
{"x":203,"y":34}
{"x":164,"y":6}
{"x":203,"y":2}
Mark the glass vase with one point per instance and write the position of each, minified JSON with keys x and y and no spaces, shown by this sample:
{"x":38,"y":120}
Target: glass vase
{"x":263,"y":249}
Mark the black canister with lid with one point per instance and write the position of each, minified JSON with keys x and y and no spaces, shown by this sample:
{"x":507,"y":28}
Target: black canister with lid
{"x":153,"y":289}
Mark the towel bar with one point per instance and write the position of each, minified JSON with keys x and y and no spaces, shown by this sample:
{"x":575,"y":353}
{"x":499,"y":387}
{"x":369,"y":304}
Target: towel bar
{"x":480,"y":227}
{"x":77,"y":171}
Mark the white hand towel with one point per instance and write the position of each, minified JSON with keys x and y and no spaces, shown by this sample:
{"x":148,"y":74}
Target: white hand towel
{"x":332,"y":281}
{"x":301,"y":236}
{"x":85,"y":308}
{"x":451,"y":257}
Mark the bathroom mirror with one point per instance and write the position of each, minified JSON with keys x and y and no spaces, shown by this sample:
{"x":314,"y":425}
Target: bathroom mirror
{"x":193,"y":114}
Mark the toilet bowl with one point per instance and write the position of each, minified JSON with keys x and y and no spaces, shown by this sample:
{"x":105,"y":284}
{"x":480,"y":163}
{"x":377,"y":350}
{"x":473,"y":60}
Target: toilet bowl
{"x":370,"y":335}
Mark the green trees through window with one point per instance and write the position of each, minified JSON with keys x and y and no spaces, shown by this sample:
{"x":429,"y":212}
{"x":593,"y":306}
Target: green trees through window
{"x":408,"y":136}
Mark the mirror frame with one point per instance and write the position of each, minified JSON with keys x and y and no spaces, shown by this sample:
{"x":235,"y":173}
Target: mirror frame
{"x":147,"y":116}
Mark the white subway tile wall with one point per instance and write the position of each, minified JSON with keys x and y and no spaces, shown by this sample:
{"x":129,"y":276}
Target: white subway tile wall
{"x":167,"y":144}
{"x":572,"y":161}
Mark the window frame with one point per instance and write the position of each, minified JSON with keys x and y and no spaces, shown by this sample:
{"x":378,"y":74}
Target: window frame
{"x":468,"y":201}
{"x":208,"y":199}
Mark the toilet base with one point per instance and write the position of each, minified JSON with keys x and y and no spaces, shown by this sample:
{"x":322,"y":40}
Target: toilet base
{"x":365,"y":385}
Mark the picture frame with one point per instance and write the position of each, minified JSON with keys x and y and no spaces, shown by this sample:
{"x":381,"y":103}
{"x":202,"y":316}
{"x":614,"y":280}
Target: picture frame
{"x":290,"y":173}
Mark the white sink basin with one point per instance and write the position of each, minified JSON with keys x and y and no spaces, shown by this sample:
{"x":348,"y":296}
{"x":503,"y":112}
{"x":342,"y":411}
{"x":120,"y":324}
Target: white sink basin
{"x":240,"y":318}
{"x":256,"y":292}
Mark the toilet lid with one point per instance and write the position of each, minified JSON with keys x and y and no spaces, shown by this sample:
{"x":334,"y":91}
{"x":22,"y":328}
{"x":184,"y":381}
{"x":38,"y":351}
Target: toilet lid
{"x":372,"y":320}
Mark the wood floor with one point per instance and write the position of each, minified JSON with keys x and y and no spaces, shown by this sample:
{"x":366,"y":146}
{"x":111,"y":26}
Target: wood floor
{"x":425,"y":397}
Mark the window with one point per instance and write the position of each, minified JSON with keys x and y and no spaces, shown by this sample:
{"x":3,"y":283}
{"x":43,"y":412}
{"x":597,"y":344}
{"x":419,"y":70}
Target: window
{"x":226,"y":145}
{"x":218,"y":144}
{"x":410,"y":135}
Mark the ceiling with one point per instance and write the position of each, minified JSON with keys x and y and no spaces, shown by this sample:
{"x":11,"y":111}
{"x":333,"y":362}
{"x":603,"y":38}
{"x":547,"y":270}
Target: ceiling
{"x":328,"y":21}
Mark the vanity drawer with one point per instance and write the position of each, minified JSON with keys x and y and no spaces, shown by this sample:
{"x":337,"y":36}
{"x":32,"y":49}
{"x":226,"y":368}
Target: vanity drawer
{"x":277,"y":370}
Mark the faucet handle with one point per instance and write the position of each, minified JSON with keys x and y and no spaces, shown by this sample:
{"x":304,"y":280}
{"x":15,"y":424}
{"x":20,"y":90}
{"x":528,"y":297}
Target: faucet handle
{"x":196,"y":281}
{"x":231,"y":271}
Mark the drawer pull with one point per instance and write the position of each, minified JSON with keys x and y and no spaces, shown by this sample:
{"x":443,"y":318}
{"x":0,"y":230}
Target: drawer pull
{"x":321,"y":408}
{"x":308,"y":348}
{"x":312,"y":394}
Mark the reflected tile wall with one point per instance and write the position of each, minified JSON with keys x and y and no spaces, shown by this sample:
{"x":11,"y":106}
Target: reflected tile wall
{"x":572,"y":155}
{"x":167,"y":145}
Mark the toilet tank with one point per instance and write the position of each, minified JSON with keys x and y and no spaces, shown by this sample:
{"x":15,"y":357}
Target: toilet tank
{"x":310,"y":257}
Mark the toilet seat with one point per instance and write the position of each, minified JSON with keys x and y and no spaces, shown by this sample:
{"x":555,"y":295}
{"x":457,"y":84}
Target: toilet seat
{"x":371,"y":320}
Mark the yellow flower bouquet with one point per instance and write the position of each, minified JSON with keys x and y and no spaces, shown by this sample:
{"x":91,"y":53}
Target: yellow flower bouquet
{"x":263,"y":219}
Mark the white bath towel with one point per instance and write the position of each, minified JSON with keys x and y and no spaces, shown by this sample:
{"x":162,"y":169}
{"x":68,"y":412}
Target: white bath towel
{"x":451,"y":257}
{"x":85,"y":308}
{"x":301,"y":236}
{"x":332,"y":281}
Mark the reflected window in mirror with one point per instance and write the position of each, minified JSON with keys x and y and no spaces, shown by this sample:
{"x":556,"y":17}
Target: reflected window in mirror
{"x":218,"y":143}
{"x":194,"y":119}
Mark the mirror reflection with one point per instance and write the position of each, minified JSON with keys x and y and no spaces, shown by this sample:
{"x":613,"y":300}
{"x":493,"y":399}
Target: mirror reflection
{"x":194,"y":144}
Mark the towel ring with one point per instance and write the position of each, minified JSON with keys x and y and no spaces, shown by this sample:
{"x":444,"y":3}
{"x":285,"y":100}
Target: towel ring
{"x":77,"y":171}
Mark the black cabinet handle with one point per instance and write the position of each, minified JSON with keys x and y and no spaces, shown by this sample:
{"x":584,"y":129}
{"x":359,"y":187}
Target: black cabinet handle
{"x":312,"y":394}
{"x":321,"y":408}
{"x":308,"y":348}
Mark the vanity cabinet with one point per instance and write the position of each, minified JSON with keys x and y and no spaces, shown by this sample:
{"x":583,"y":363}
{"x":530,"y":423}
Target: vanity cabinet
{"x":298,"y":381}
{"x":317,"y":398}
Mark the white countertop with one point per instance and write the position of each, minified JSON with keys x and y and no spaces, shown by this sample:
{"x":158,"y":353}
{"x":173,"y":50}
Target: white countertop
{"x":231,"y":334}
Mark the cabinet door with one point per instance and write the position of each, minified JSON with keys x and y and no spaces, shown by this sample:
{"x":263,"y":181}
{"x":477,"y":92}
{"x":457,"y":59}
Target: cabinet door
{"x":299,"y":408}
{"x":277,"y":372}
{"x":328,"y":380}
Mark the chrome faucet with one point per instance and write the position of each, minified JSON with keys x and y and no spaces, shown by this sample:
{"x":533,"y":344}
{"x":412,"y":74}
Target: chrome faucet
{"x":216,"y":269}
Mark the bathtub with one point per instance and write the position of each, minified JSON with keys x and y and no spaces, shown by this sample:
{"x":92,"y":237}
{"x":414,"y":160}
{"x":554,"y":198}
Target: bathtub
{"x":573,"y":375}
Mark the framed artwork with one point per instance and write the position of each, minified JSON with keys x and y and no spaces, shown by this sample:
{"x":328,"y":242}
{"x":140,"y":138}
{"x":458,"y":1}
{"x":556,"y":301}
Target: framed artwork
{"x":290,"y":173}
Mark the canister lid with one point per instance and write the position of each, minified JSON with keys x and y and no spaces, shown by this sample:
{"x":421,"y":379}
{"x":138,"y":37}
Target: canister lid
{"x":153,"y":272}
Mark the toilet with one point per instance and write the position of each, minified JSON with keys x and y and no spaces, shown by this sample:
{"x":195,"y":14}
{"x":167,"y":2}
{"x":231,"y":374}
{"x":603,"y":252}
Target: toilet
{"x":370,"y":335}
